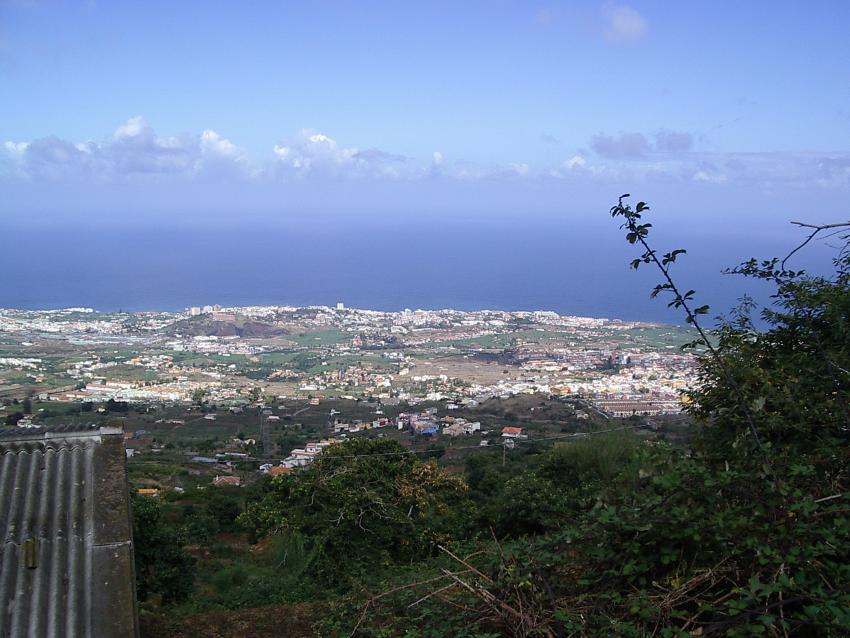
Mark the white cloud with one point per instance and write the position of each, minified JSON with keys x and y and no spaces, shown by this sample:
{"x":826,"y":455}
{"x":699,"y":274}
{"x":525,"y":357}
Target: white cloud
{"x":15,"y":148}
{"x":133,"y":149}
{"x":709,"y":175}
{"x":214,"y":144}
{"x":624,"y":24}
{"x":313,"y":153}
{"x":576,"y":161}
{"x":131,"y":128}
{"x":577,"y":167}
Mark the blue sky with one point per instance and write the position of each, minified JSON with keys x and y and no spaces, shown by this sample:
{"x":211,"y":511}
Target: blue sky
{"x":142,"y":110}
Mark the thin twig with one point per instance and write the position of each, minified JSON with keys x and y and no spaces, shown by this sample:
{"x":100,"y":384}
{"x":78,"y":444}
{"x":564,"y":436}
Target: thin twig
{"x":436,"y":592}
{"x":817,"y":228}
{"x":465,"y":564}
{"x":397,"y":589}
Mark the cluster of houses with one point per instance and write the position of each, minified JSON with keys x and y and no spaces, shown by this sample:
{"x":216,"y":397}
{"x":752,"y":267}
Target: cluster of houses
{"x":460,"y":427}
{"x":346,"y":427}
{"x":428,"y":424}
{"x":298,"y":457}
{"x":424,"y":423}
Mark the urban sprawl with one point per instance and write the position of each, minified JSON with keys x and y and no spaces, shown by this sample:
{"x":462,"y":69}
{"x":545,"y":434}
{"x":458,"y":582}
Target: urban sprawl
{"x":237,"y":358}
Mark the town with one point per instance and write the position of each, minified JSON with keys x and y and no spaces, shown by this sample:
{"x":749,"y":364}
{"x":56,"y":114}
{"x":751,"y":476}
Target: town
{"x":229,"y":354}
{"x":290,"y":381}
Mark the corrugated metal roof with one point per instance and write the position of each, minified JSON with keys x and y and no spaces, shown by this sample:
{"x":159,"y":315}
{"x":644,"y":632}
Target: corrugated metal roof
{"x":15,"y":432}
{"x":66,"y":559}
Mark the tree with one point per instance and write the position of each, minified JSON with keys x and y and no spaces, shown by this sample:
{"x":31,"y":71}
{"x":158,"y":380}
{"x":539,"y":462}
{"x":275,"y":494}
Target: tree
{"x":224,"y":505}
{"x":162,"y":567}
{"x":117,"y":406}
{"x":364,"y":503}
{"x":528,"y":504}
{"x":27,"y":405}
{"x":199,"y":396}
{"x":794,"y":375}
{"x":201,"y":527}
{"x":13,"y":418}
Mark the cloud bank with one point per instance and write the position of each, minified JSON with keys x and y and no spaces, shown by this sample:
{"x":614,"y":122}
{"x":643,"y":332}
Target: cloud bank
{"x":133,"y":150}
{"x":136,"y":153}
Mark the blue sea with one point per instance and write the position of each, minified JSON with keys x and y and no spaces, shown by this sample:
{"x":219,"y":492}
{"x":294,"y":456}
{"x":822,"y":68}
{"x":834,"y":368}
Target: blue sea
{"x":365,"y":263}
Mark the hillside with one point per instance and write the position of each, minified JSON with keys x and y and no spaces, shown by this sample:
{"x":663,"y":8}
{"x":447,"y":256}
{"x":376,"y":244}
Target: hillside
{"x":207,"y":326}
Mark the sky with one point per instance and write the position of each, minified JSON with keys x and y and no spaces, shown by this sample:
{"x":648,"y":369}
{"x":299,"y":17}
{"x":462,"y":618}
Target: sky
{"x":385,"y":122}
{"x":163,"y":109}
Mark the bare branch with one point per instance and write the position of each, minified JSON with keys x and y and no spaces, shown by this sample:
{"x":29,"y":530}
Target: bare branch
{"x":465,"y":564}
{"x":817,"y":228}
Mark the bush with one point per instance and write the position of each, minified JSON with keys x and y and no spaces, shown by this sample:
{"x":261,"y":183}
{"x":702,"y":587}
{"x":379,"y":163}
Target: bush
{"x":364,"y":503}
{"x":162,"y":567}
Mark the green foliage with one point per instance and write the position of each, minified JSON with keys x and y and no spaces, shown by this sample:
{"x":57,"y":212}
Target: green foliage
{"x":224,"y":505}
{"x":13,"y":418}
{"x":199,"y":395}
{"x":637,"y":232}
{"x":281,"y":573}
{"x":364,"y":504}
{"x":794,"y":377}
{"x":201,"y":528}
{"x":747,"y":534}
{"x":599,"y":458}
{"x":162,"y":567}
{"x":528,"y":504}
{"x":117,"y":406}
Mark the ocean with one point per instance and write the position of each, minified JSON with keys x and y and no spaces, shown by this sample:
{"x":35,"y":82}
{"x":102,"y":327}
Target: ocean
{"x":384,"y":265}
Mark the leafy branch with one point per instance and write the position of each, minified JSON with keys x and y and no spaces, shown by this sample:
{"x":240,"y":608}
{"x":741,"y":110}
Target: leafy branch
{"x":637,"y":232}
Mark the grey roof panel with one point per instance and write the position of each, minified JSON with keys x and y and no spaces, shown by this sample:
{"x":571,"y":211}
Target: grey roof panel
{"x":61,"y":555}
{"x":15,"y":432}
